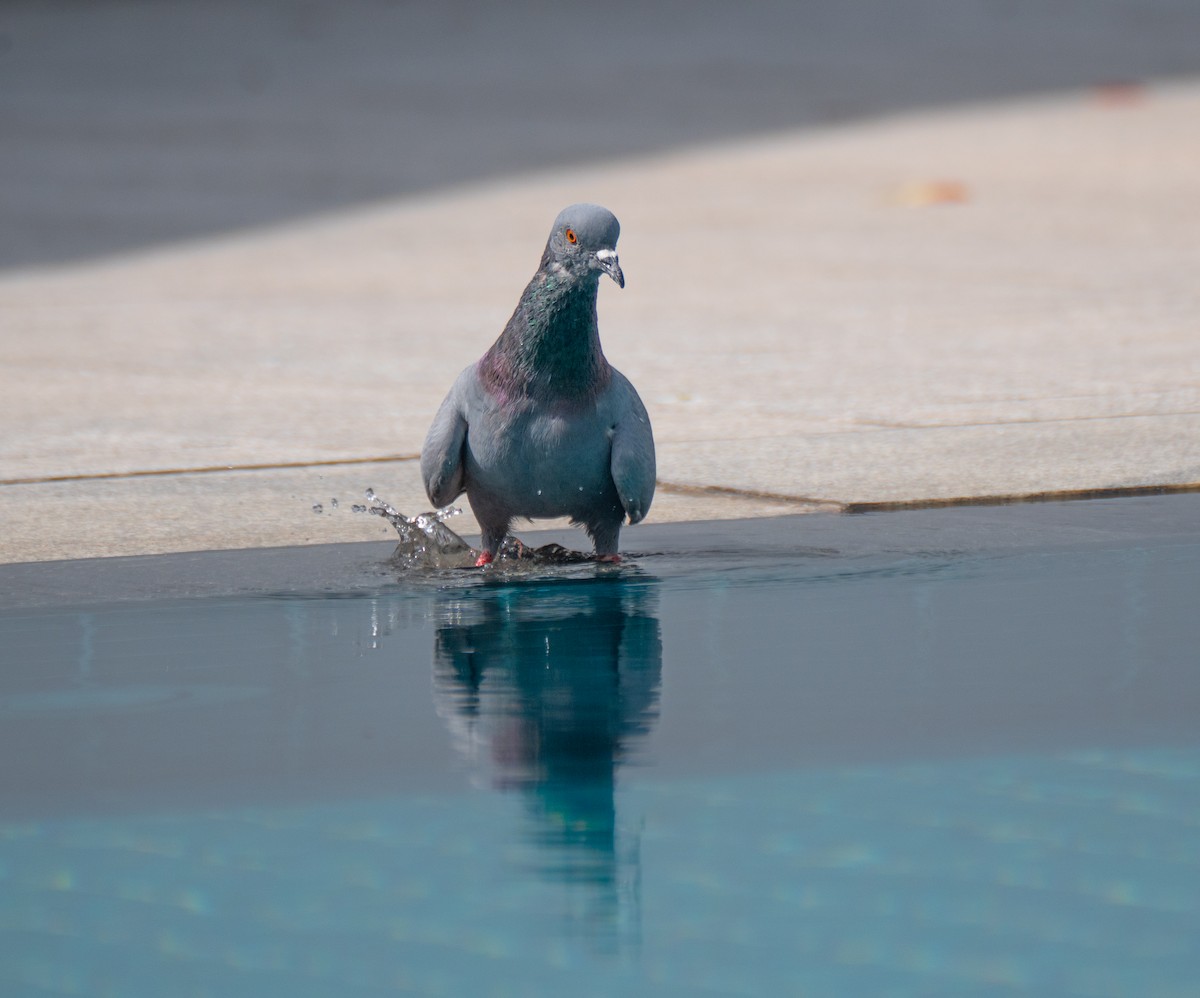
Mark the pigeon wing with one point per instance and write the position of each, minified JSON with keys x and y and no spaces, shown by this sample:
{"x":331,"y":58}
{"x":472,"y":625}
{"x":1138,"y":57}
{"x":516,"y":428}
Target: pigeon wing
{"x":632,"y":462}
{"x":442,"y":466}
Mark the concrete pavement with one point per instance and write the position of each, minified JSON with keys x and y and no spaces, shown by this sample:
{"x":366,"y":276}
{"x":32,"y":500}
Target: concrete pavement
{"x":961,"y":303}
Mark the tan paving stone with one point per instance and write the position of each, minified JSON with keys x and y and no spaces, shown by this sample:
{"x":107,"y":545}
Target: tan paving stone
{"x":803,"y":318}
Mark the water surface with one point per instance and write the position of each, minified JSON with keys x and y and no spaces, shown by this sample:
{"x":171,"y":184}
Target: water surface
{"x":944,"y":752}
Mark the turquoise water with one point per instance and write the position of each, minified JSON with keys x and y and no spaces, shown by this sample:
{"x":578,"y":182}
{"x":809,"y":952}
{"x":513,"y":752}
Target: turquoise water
{"x":1068,"y":875}
{"x":916,"y":772}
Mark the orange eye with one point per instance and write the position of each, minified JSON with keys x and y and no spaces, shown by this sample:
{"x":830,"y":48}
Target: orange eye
{"x":571,"y":237}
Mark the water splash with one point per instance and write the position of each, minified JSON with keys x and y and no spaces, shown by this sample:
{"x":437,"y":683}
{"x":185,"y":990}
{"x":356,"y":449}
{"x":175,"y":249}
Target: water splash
{"x":512,"y":549}
{"x":425,"y":540}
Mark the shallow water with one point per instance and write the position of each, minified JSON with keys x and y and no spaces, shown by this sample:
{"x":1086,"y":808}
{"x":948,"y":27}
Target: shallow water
{"x":939,"y":753}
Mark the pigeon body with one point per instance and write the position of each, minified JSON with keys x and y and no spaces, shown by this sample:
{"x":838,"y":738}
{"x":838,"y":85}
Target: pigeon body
{"x":542,"y":425}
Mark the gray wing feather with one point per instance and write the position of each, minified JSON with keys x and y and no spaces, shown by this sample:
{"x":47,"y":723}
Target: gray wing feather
{"x":442,"y":466}
{"x":632,"y":463}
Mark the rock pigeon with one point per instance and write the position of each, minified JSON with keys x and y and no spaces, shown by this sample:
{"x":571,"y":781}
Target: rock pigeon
{"x":542,"y":425}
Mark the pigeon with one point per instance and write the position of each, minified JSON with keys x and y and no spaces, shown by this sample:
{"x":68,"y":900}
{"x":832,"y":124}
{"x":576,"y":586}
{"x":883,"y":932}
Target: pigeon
{"x":542,"y":425}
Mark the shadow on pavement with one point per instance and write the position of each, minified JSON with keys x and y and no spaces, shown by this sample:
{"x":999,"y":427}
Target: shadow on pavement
{"x":131,"y":123}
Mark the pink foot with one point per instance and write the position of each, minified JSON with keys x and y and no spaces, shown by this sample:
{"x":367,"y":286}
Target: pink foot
{"x":609,"y":559}
{"x":484,"y":558}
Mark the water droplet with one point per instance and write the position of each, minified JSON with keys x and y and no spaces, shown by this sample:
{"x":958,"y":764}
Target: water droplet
{"x":359,"y":508}
{"x":318,"y":508}
{"x":539,"y":491}
{"x":370,"y":493}
{"x":333,"y":503}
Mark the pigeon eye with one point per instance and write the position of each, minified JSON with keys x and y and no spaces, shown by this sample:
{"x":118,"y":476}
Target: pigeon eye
{"x":571,"y":237}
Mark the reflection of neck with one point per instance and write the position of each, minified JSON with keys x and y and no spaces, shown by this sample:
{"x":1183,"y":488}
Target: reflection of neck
{"x":580,"y":817}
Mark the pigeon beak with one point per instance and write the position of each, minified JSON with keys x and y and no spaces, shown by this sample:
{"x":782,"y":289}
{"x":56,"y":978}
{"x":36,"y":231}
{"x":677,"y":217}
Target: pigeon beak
{"x":607,"y":260}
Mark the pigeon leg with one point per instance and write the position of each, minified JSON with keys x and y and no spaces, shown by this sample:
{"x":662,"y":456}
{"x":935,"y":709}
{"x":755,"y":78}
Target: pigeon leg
{"x":605,"y":536}
{"x":494,"y":532}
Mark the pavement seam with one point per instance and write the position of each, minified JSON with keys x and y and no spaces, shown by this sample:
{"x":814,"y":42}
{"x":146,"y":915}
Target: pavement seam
{"x":886,"y":505}
{"x":880,"y":424}
{"x":722,"y":491}
{"x":214,"y":469}
{"x":1056,"y":495}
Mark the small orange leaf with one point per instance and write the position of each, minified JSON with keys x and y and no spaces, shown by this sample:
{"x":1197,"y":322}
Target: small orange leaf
{"x":1119,"y":93}
{"x":920,"y":194}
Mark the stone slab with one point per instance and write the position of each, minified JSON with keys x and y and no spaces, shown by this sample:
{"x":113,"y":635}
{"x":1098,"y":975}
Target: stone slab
{"x":958,"y":303}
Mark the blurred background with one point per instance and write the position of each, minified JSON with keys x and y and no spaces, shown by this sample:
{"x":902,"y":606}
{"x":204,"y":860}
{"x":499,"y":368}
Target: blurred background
{"x":127,"y":123}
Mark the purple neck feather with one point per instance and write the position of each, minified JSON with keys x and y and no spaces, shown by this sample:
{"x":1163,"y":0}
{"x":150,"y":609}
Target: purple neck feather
{"x":550,"y":349}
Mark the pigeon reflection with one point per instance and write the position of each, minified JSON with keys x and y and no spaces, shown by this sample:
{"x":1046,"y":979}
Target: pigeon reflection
{"x":547,"y":688}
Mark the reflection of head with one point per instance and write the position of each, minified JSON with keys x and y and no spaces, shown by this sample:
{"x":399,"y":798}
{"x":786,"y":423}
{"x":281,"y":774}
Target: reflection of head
{"x":547,"y":686}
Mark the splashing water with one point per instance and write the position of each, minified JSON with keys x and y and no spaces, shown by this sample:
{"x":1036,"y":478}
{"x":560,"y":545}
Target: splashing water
{"x":425,"y":540}
{"x":512,"y":549}
{"x":427,"y":543}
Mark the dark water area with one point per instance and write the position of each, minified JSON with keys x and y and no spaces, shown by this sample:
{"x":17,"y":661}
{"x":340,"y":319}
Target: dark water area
{"x":917,"y":752}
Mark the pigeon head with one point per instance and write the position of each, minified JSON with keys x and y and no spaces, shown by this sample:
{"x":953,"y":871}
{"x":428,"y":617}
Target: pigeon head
{"x":583,"y":243}
{"x":550,"y":348}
